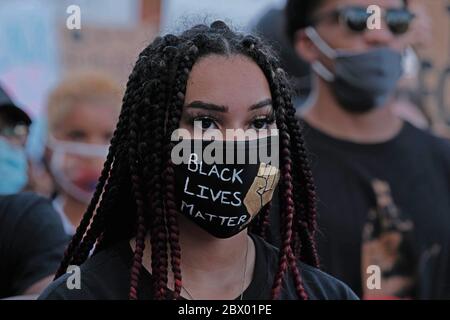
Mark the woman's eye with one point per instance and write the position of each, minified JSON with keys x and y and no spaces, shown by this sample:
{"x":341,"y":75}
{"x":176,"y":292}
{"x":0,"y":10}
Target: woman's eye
{"x":204,"y":123}
{"x":261,"y":123}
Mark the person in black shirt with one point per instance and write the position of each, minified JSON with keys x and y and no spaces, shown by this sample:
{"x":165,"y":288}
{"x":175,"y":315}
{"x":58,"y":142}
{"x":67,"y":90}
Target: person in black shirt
{"x":404,"y":181}
{"x":32,"y":242}
{"x":107,"y":277}
{"x":383,"y":186}
{"x":170,"y":229}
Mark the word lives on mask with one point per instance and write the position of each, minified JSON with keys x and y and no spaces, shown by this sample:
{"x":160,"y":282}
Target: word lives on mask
{"x":223,"y":198}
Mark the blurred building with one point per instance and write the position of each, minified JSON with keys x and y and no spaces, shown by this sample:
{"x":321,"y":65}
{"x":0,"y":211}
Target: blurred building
{"x":38,"y":49}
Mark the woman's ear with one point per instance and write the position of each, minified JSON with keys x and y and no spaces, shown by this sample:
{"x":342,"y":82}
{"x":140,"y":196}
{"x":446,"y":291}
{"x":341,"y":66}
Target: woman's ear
{"x":304,"y":47}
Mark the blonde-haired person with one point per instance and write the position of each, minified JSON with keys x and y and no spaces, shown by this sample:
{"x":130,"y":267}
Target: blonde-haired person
{"x":82,"y":112}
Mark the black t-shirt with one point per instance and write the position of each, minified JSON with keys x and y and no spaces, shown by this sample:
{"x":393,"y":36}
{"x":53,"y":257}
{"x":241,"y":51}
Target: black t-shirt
{"x":407,"y":180}
{"x":106,"y":276}
{"x":32,"y":242}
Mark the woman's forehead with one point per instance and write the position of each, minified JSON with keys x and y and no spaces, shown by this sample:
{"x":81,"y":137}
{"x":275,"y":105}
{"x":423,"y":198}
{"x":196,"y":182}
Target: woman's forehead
{"x":232,"y":81}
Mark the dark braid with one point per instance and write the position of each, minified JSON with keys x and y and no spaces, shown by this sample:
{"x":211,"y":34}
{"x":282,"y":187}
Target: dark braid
{"x":84,"y":223}
{"x":184,"y":65}
{"x":110,"y":193}
{"x":303,"y":184}
{"x":158,"y":237}
{"x":96,"y":226}
{"x":152,"y":169}
{"x":265,"y":220}
{"x":135,"y":195}
{"x":287,"y":218}
{"x":154,"y":191}
{"x":152,"y":118}
{"x":261,"y":222}
{"x":138,"y":194}
{"x":290,"y":228}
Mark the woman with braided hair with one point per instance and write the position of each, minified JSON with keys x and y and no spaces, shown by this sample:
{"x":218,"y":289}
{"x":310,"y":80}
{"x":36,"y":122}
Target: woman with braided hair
{"x":168,"y":230}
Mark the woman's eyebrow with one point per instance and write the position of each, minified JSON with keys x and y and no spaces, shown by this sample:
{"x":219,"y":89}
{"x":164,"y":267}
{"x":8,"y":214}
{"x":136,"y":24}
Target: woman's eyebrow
{"x":260,"y":104}
{"x":219,"y":108}
{"x":206,"y":106}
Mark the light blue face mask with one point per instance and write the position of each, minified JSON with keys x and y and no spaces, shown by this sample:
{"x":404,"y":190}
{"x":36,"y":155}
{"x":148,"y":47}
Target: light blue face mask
{"x":13,"y":168}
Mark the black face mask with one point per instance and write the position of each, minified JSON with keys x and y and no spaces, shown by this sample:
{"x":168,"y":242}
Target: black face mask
{"x":223,"y":198}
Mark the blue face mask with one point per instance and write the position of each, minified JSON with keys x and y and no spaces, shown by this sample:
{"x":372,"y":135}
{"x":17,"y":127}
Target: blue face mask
{"x":361,"y":81}
{"x":13,"y":168}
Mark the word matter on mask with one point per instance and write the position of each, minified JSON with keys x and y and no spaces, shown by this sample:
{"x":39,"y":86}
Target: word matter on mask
{"x":209,"y":194}
{"x":222,"y":198}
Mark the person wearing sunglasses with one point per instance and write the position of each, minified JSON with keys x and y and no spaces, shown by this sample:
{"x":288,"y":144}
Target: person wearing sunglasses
{"x":382,"y":184}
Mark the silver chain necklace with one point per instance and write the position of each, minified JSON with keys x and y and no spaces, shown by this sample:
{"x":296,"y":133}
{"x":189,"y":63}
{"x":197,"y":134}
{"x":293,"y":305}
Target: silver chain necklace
{"x":243,"y":280}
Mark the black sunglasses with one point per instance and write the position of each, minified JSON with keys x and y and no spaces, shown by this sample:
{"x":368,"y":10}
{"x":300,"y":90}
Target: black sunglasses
{"x":355,"y":18}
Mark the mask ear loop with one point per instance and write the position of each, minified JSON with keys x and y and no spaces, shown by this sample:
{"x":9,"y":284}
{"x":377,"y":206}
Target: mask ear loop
{"x":410,"y":62}
{"x":322,"y":71}
{"x":78,"y":148}
{"x":325,"y":49}
{"x":320,"y":43}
